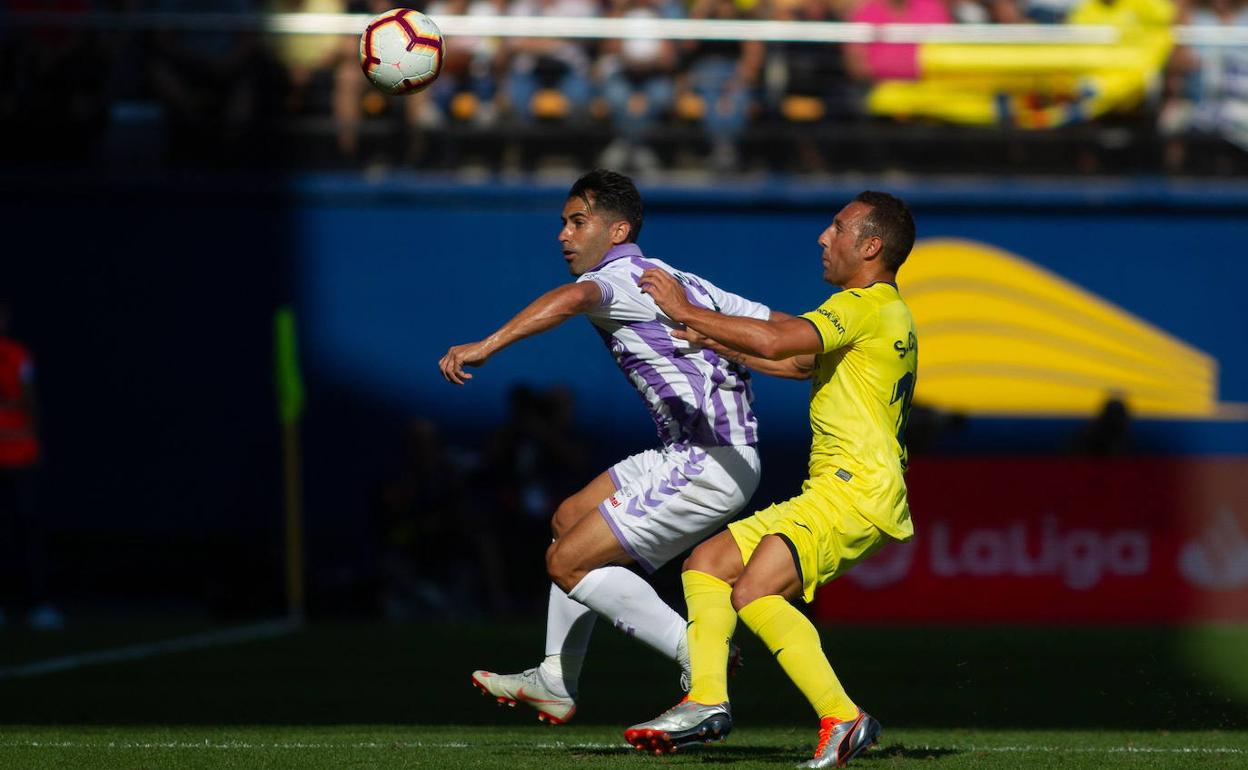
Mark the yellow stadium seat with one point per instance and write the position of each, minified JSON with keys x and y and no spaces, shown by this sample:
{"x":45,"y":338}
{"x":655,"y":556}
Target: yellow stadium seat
{"x":464,"y":105}
{"x":550,"y":104}
{"x":802,"y":109}
{"x":690,"y":106}
{"x":373,"y":103}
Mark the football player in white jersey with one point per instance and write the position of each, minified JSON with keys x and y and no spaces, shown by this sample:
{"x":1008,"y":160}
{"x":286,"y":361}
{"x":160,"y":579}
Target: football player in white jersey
{"x":652,"y":506}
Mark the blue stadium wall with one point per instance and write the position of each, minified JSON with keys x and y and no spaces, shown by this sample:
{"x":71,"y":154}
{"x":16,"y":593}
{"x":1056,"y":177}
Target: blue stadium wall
{"x":149,"y":307}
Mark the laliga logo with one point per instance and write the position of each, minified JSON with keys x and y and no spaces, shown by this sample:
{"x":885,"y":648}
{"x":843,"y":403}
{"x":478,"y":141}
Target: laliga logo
{"x":1081,"y":557}
{"x":1218,"y":558}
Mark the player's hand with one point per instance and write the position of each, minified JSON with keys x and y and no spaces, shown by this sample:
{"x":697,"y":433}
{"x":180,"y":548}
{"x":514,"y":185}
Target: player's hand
{"x":453,"y":363}
{"x":698,"y":339}
{"x":665,"y":290}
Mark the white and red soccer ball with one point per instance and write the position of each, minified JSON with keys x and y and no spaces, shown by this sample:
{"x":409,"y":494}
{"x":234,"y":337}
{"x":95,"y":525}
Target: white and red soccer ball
{"x":401,"y":51}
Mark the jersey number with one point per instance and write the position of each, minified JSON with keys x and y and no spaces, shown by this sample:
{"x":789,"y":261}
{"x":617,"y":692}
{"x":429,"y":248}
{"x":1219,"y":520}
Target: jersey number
{"x":903,"y":391}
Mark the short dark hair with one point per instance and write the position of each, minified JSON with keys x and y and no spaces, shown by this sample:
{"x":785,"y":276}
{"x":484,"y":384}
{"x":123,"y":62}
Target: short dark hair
{"x":890,"y":221}
{"x":613,"y":193}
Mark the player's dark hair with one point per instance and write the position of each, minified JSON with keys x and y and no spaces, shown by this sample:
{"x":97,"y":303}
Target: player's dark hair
{"x":890,"y":221}
{"x":614,"y":194}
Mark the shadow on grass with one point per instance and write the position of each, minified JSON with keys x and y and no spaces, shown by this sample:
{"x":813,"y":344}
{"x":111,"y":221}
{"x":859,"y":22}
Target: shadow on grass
{"x":988,"y":678}
{"x":728,"y":754}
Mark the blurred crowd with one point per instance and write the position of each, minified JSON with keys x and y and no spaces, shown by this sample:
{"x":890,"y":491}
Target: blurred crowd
{"x":218,"y":97}
{"x":465,"y":529}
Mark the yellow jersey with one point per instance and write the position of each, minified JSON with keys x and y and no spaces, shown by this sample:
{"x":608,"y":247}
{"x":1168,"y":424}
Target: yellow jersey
{"x":860,"y":401}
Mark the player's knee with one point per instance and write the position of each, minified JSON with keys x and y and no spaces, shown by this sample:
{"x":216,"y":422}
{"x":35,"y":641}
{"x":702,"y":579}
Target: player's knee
{"x":562,"y":567}
{"x":713,"y":558}
{"x":565,"y":516}
{"x":700,"y":560}
{"x":743,"y":593}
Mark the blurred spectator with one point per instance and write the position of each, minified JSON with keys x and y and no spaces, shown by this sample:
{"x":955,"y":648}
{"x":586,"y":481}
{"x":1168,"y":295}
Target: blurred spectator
{"x":722,"y":75}
{"x":416,"y":112}
{"x":808,"y":83}
{"x":1000,"y":11}
{"x":548,"y":78}
{"x":315,"y":66}
{"x":534,"y":461}
{"x":437,"y":558}
{"x":468,"y":86}
{"x":1207,"y":86}
{"x":1108,"y":434}
{"x":1126,"y":14}
{"x":928,"y":425}
{"x":21,"y":544}
{"x":1047,"y":11}
{"x":50,"y":111}
{"x":638,"y":84}
{"x":208,"y":80}
{"x":891,"y":61}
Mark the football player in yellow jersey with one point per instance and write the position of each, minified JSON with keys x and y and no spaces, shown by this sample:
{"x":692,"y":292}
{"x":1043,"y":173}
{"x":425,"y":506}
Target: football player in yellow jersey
{"x":861,"y":352}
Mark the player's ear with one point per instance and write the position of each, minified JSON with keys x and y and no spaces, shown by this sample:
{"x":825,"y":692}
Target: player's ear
{"x":874,"y":245}
{"x":620,"y":231}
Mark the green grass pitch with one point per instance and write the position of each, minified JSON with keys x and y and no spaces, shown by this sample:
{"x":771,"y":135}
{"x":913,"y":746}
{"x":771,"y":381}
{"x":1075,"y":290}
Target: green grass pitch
{"x":398,"y":696}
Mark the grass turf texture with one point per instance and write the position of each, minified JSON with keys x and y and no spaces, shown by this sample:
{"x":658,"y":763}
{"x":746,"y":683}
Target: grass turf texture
{"x":544,"y":748}
{"x":364,"y":696}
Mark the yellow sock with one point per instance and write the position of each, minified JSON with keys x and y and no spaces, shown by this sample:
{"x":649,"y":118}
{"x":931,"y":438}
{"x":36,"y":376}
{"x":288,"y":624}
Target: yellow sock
{"x":711,"y":623}
{"x":795,"y":643}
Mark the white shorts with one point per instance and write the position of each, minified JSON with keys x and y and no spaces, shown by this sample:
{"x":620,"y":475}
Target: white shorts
{"x":669,"y":500}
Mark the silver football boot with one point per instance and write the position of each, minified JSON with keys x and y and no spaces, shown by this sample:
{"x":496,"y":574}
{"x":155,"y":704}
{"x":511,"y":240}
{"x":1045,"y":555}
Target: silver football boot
{"x":684,"y":724}
{"x":526,"y":687}
{"x":840,"y":742}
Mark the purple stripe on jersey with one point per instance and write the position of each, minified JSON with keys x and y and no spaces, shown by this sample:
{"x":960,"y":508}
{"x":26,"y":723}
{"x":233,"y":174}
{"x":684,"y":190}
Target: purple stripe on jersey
{"x":679,"y":412}
{"x":605,"y":289}
{"x":617,"y":252}
{"x":745,"y":415}
{"x":659,"y":338}
{"x":667,"y":424}
{"x":619,"y":535}
{"x":717,"y":429}
{"x":750,"y":436}
{"x":723,"y":428}
{"x":614,"y":479}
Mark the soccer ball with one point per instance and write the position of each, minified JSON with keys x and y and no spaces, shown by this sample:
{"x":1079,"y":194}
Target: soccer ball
{"x":401,"y":51}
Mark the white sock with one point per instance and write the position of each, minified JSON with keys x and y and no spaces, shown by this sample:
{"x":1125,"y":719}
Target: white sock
{"x":632,"y":605}
{"x":569,"y":625}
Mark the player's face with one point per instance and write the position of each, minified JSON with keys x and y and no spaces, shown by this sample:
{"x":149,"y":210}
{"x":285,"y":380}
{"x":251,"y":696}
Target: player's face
{"x":585,"y":237}
{"x":842,"y":253}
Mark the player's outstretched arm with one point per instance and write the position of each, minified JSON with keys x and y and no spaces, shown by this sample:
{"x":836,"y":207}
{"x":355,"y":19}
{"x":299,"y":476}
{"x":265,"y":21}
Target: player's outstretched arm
{"x":796,"y":368}
{"x":773,"y":339}
{"x":544,"y":313}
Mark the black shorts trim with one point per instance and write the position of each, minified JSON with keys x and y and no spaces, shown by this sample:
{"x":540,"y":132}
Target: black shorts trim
{"x":797,"y":562}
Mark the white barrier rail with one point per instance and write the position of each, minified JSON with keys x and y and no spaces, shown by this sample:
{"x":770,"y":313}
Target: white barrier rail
{"x":672,"y":29}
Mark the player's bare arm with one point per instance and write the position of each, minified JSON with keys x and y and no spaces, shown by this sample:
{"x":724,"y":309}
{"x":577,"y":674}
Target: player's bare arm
{"x":544,"y":313}
{"x":772,"y":340}
{"x":795,"y":368}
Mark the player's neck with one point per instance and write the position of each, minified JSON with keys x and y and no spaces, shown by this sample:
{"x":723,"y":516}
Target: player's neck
{"x":863,"y":280}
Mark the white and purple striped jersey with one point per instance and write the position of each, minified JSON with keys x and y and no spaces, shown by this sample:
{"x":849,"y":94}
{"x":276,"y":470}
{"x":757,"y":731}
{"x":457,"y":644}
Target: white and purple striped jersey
{"x":695,"y":396}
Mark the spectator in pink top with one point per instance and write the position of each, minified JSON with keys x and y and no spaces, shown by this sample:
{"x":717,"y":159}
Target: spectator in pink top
{"x":891,"y":61}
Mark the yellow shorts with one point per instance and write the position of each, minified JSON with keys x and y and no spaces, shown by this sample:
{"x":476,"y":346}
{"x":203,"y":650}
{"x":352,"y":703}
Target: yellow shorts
{"x":827,"y":534}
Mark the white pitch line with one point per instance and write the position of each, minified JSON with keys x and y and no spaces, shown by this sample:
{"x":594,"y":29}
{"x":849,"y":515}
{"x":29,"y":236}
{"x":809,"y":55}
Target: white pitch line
{"x":200,"y":641}
{"x":391,"y":745}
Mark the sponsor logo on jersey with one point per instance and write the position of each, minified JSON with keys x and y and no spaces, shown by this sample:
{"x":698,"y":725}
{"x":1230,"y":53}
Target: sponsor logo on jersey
{"x":828,"y":314}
